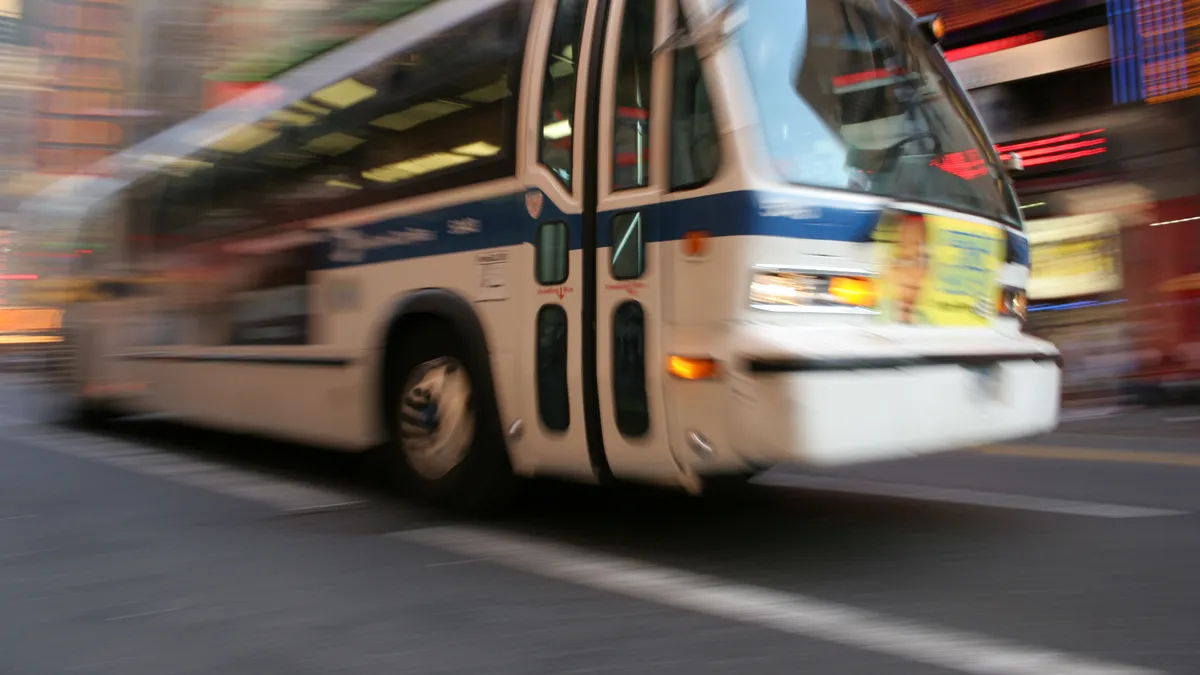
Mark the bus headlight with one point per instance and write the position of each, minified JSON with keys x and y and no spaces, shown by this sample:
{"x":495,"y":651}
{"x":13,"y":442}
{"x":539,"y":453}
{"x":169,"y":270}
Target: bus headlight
{"x":1015,"y":304}
{"x":777,"y":290}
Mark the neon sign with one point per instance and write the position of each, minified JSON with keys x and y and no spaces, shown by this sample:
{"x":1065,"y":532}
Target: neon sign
{"x":1062,"y":148}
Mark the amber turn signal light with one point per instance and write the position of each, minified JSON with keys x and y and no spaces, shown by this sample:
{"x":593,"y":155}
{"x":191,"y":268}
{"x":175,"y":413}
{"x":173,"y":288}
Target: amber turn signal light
{"x":691,"y":368}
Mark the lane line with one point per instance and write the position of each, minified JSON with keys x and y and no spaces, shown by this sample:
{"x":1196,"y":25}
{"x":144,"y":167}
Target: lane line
{"x":287,"y":495}
{"x":993,"y":500}
{"x":1188,"y":418}
{"x":790,"y":613}
{"x":139,"y":615}
{"x":1094,"y":454}
{"x":26,"y":516}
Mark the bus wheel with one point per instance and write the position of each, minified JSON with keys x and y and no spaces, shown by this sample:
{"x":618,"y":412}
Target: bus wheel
{"x":444,"y":427}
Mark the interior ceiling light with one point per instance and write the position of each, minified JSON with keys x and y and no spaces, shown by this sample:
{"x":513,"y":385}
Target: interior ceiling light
{"x":291,"y":117}
{"x":418,"y":114}
{"x":477,"y":149}
{"x":491,"y":93}
{"x":333,"y":144}
{"x":557,"y":130}
{"x":307,"y":107}
{"x":244,"y":138}
{"x":343,"y":94}
{"x":410,"y":168}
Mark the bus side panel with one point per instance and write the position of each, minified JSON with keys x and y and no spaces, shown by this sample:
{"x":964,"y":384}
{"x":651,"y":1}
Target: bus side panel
{"x":377,"y":290}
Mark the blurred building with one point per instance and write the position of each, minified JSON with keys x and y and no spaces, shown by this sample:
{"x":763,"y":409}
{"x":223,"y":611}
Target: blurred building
{"x":1097,"y":96}
{"x":177,"y":50}
{"x":20,"y":83}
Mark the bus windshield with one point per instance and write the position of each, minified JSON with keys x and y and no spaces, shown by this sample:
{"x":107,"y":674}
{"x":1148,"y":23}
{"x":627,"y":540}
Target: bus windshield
{"x":850,"y":98}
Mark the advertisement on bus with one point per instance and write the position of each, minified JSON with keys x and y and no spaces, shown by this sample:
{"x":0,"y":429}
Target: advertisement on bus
{"x":938,"y":271}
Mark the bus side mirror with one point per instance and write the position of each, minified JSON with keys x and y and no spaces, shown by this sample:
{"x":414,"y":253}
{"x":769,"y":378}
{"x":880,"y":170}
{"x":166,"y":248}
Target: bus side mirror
{"x":931,"y":27}
{"x":1013,"y":162}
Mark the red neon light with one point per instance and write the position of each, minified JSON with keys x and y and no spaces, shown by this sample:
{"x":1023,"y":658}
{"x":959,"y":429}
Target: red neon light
{"x":1017,"y":147}
{"x":1064,"y":157}
{"x":994,"y":46}
{"x":1039,"y":152}
{"x":18,"y":277}
{"x":968,"y":165}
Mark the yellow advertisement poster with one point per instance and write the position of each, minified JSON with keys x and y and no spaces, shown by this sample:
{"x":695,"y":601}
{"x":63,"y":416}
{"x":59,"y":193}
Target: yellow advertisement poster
{"x":938,"y":271}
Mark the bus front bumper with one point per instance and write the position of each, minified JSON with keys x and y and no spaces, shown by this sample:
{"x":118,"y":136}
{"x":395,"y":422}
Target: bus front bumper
{"x":840,"y":411}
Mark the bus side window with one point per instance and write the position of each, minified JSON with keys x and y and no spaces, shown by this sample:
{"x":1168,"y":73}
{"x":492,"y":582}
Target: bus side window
{"x":551,"y":252}
{"x":556,"y":151}
{"x":631,"y":123}
{"x":695,"y":146}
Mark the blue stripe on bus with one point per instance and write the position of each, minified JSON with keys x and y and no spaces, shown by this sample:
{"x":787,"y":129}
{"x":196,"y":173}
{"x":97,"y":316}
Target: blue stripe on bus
{"x":505,"y":221}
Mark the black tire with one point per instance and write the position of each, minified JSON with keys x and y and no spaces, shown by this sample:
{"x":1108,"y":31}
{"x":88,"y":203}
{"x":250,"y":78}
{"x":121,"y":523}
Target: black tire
{"x":728,"y":484}
{"x":483,"y":481}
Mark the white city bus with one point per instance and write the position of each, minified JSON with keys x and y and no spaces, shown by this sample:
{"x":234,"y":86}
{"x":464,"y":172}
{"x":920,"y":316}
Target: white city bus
{"x":658,"y":240}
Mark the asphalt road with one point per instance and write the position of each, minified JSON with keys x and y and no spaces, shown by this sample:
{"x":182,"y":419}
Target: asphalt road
{"x":163,"y":550}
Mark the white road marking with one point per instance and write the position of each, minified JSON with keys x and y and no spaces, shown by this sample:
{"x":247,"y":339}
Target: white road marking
{"x":1188,"y":418}
{"x":993,"y":500}
{"x":285,"y":495}
{"x":139,"y":615}
{"x":26,"y":516}
{"x":791,"y":613}
{"x":1088,"y":414}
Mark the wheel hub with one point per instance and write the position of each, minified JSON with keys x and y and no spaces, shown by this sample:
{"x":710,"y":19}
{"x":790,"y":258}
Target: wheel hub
{"x":437,"y":420}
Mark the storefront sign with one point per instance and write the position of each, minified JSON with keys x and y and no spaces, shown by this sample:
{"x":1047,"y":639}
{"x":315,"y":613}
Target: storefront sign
{"x":29,"y":319}
{"x":1073,"y":256}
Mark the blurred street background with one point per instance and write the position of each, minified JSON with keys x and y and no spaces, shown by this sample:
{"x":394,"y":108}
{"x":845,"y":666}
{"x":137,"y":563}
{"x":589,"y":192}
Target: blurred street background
{"x":1097,"y":97}
{"x":150,"y":548}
